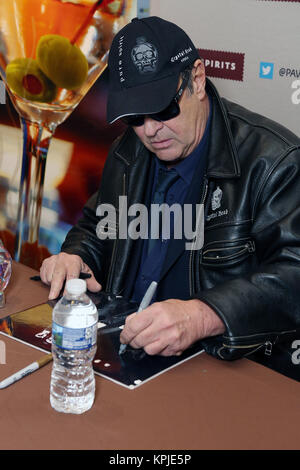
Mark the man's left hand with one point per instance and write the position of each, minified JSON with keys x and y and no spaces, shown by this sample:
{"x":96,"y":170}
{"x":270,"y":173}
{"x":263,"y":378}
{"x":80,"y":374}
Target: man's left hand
{"x":169,"y":327}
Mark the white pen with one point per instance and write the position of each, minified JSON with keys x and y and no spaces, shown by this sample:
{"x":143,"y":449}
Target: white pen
{"x":26,"y":371}
{"x":144,"y":304}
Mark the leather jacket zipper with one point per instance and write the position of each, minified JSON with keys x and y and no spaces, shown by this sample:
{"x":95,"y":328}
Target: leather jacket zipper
{"x":268,"y":348}
{"x":192,"y":254}
{"x":115,"y":246}
{"x":249,"y":246}
{"x":244,"y":346}
{"x":252,"y":348}
{"x":267,"y":343}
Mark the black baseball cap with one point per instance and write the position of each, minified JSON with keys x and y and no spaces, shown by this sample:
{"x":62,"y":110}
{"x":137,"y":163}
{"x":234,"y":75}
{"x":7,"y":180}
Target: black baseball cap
{"x":145,"y":61}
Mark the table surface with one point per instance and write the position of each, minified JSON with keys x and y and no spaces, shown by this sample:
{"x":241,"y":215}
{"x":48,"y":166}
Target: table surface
{"x":201,"y":404}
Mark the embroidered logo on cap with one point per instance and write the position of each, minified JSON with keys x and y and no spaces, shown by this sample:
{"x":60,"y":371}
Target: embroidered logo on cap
{"x":144,"y":56}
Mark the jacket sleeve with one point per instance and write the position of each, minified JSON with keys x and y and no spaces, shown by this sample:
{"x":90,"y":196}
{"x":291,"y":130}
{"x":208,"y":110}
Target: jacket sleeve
{"x":82,"y":239}
{"x":263,"y":307}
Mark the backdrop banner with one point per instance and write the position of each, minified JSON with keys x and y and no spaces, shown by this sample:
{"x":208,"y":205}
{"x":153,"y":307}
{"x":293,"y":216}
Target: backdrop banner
{"x":250,"y":49}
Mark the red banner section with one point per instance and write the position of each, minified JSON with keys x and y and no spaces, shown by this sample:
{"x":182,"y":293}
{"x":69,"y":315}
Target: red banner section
{"x":223,"y":64}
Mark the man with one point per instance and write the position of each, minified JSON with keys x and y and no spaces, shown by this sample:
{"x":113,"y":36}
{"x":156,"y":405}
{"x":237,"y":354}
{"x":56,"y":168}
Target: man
{"x":241,"y":290}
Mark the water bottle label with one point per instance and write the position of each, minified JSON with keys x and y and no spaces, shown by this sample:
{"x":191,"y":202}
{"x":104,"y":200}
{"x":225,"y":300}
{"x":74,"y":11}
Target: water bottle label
{"x":74,"y":338}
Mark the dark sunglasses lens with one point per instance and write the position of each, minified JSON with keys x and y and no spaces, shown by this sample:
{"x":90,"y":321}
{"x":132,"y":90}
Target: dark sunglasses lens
{"x":169,"y":112}
{"x":135,"y":120}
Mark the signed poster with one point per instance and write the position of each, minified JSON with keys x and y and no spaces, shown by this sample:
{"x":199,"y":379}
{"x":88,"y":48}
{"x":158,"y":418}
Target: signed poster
{"x":131,"y":369}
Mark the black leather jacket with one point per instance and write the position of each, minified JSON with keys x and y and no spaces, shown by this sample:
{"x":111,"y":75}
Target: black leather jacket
{"x":248,"y":270}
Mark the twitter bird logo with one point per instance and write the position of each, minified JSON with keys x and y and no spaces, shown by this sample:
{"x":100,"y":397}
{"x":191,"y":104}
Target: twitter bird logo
{"x":266,"y":70}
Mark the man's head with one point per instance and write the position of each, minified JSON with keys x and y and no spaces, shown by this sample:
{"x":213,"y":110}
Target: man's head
{"x":157,"y":84}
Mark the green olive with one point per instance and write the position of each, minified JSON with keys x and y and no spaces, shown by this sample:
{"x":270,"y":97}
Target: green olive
{"x":26,"y":79}
{"x":61,"y":61}
{"x":114,"y":7}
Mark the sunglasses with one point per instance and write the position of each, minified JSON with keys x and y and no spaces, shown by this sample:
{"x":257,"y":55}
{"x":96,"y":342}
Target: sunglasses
{"x":170,"y":112}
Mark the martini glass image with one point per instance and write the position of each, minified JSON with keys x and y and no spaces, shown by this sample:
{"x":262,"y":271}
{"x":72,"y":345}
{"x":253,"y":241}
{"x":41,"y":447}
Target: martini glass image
{"x":51,"y":53}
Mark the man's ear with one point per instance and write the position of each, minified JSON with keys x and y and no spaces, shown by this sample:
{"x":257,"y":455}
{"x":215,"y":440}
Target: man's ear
{"x":199,"y":79}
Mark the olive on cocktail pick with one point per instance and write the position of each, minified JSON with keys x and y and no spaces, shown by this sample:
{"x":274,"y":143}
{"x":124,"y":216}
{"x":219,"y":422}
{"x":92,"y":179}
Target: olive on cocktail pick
{"x":25,"y":78}
{"x":113,"y":7}
{"x":62,"y":61}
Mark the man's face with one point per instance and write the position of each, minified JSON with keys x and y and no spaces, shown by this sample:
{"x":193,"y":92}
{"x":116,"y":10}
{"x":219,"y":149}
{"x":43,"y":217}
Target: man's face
{"x":175,"y":139}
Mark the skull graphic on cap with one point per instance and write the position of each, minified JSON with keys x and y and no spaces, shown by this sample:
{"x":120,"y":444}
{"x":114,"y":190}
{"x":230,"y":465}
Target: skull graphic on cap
{"x":144,"y":56}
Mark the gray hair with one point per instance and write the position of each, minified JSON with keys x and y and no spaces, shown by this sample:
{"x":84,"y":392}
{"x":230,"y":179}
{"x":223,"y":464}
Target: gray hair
{"x":184,"y":73}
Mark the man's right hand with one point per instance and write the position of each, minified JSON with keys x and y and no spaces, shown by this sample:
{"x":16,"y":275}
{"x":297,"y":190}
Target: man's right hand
{"x":59,"y":268}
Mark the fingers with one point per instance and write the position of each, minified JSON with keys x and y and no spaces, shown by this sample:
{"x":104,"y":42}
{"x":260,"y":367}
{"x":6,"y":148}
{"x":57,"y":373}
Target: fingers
{"x":93,"y":285}
{"x":153,"y":330}
{"x":65,"y":267}
{"x":57,"y":269}
{"x":136,"y":325}
{"x":169,"y":351}
{"x":166,"y":328}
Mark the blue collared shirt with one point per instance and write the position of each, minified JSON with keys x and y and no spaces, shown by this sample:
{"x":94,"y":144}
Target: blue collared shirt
{"x":151,"y":265}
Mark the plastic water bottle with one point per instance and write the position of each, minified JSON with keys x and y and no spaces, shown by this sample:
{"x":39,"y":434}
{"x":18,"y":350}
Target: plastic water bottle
{"x":74,"y":344}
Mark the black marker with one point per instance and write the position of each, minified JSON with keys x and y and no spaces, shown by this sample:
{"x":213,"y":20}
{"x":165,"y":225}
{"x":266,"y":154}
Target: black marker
{"x":81,"y":276}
